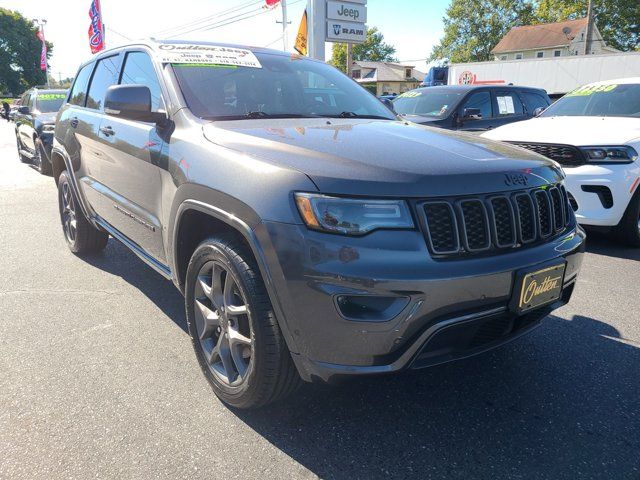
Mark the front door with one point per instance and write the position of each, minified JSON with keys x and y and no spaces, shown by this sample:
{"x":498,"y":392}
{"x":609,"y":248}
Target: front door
{"x":127,"y":177}
{"x":479,"y":100}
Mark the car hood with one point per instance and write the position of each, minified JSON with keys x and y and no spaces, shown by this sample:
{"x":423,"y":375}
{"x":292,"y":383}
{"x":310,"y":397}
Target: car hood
{"x":420,"y":119}
{"x":46,"y":118}
{"x":392,"y":158}
{"x":578,"y":131}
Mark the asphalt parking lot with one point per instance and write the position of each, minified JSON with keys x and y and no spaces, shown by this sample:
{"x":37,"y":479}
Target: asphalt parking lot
{"x":98,"y":380}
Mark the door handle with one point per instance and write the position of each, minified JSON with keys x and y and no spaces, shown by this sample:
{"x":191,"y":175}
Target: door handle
{"x":74,"y":122}
{"x":107,"y":131}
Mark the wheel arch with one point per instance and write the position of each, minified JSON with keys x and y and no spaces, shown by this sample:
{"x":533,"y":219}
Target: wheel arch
{"x":213,"y":220}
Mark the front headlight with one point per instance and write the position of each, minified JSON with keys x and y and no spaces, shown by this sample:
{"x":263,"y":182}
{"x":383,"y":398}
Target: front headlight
{"x":622,"y":154}
{"x":350,"y":216}
{"x":48,"y":128}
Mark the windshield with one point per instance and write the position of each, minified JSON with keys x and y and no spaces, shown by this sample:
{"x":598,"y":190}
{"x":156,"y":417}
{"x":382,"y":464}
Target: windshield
{"x":599,"y":101}
{"x":283,"y":86}
{"x":50,"y":102}
{"x":426,"y":103}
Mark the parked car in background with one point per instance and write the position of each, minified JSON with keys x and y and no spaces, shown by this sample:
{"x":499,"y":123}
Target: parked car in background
{"x":14,"y":109}
{"x":594,"y":133}
{"x":35,"y":122}
{"x":314,"y":234}
{"x":470,"y":107}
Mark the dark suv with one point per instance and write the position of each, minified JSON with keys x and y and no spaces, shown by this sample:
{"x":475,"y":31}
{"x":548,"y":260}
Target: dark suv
{"x":34,"y":124}
{"x":471,"y":107}
{"x":313,"y":234}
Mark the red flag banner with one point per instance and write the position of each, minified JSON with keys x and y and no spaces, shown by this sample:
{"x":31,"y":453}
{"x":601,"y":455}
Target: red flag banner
{"x":43,"y":52}
{"x":272,"y":3}
{"x":96,"y":29}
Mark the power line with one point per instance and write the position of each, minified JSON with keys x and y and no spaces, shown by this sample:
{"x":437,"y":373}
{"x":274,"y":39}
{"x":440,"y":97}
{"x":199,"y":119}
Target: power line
{"x":209,"y":18}
{"x":117,"y":33}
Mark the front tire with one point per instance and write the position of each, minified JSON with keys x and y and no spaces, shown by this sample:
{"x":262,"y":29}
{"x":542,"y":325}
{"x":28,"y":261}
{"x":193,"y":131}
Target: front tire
{"x":235,"y":335}
{"x":628,"y":230}
{"x":21,"y":157}
{"x":81,"y":236}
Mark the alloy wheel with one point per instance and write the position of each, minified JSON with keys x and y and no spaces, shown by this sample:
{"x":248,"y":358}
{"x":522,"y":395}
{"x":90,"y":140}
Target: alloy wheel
{"x":223,"y":323}
{"x":69,"y":222}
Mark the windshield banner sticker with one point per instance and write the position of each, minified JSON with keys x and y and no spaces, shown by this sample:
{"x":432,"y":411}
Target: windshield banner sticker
{"x":207,"y":55}
{"x":51,"y":96}
{"x":590,"y":90}
{"x":410,"y":94}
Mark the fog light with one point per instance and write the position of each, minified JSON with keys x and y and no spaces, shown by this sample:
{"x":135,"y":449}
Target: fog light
{"x":370,"y":308}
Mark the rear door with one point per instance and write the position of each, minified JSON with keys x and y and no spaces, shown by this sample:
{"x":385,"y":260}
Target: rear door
{"x":126,"y":174}
{"x":507,"y":107}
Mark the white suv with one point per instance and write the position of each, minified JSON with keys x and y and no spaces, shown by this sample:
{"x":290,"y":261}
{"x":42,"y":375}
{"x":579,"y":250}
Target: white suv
{"x":594,"y":133}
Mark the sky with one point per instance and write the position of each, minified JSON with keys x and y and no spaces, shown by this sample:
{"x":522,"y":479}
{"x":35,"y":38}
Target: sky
{"x":412,"y":26}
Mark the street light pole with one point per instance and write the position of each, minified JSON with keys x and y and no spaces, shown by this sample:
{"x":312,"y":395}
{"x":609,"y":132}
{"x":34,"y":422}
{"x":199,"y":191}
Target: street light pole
{"x":41,"y":23}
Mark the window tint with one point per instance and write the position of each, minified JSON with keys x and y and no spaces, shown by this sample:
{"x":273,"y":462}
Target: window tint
{"x":138,"y":70}
{"x":533,"y":101}
{"x":79,"y":90}
{"x":103,"y":77}
{"x":481,"y":100}
{"x":509,"y":104}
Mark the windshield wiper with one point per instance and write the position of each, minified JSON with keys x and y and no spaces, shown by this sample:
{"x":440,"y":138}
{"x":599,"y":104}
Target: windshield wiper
{"x":357,"y":115}
{"x":259,"y":114}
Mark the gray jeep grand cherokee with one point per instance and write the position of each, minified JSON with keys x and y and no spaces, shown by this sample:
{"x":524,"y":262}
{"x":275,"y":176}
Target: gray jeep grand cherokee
{"x":314,"y":235}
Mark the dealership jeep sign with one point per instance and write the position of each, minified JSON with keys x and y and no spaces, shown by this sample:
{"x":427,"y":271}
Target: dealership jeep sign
{"x":346,"y":21}
{"x":350,"y":12}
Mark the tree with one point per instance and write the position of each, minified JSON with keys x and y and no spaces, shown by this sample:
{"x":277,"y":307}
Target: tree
{"x":374,"y":49}
{"x":19,"y":53}
{"x":473,"y":28}
{"x":617,"y":20}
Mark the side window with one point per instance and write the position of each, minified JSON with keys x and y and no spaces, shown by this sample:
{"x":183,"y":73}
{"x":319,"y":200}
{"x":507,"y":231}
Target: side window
{"x":533,"y":101}
{"x":481,"y":100}
{"x":25,"y":100}
{"x":138,"y":69}
{"x":103,"y":77}
{"x":31,"y":103}
{"x":509,"y":104}
{"x":79,"y":90}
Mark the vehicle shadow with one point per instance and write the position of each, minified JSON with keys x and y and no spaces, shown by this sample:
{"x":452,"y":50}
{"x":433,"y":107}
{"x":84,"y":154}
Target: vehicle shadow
{"x":602,"y":243}
{"x":118,"y":260}
{"x":560,"y":403}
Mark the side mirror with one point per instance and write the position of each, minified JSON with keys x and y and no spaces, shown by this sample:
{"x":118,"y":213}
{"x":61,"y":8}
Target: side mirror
{"x":538,"y":111}
{"x":24,"y":110}
{"x":388,"y":103}
{"x":472,"y":114}
{"x":131,"y":102}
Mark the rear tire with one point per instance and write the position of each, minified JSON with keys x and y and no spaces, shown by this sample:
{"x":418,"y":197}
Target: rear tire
{"x":628,"y":230}
{"x":40,"y":161}
{"x":81,"y":236}
{"x":234,"y":332}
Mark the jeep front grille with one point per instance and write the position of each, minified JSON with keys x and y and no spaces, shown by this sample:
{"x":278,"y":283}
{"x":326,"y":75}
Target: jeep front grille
{"x":472,"y":225}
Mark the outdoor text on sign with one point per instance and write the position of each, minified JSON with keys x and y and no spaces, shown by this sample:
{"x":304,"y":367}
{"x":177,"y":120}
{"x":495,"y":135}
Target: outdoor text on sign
{"x":351,"y":12}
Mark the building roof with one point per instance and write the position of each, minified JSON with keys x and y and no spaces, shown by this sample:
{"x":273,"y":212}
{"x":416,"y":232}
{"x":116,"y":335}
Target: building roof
{"x":548,"y":35}
{"x":388,"y":72}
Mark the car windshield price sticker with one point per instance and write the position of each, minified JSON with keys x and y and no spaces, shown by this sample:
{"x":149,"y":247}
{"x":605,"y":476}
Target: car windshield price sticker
{"x":207,"y":55}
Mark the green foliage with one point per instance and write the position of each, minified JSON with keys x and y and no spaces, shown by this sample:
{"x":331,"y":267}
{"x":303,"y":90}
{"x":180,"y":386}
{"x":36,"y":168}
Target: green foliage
{"x":473,"y":27}
{"x":374,"y":49}
{"x":617,"y":20}
{"x":19,"y":53}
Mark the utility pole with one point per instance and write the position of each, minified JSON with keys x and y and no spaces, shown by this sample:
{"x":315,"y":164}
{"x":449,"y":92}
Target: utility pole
{"x":349,"y":59}
{"x":285,"y":24}
{"x":41,"y":23}
{"x":589,"y":39}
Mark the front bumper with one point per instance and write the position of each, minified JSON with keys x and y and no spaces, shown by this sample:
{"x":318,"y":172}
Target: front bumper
{"x":620,"y":180}
{"x":446,"y":306}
